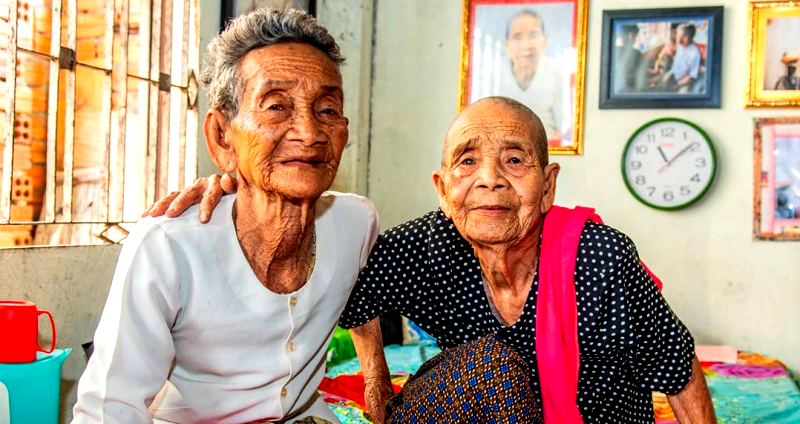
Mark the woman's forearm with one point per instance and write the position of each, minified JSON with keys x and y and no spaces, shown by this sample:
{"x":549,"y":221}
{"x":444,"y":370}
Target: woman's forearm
{"x":692,"y":405}
{"x":377,"y":382}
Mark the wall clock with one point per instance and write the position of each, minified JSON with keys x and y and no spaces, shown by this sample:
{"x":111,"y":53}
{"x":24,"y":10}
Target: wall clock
{"x":669,"y":163}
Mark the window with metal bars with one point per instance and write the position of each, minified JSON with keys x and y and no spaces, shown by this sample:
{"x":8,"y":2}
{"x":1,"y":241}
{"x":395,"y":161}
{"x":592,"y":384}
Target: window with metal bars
{"x":100,"y":114}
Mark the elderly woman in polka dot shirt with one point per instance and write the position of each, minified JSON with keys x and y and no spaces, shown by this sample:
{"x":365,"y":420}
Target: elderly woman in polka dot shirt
{"x":482,"y":275}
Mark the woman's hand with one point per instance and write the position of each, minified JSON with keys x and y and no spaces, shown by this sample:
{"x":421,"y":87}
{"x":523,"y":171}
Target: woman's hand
{"x":377,"y":393}
{"x":378,"y":388}
{"x":206,"y":191}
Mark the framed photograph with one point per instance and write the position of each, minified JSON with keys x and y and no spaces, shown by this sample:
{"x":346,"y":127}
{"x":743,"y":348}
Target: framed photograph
{"x":777,"y":179}
{"x":774,"y":54}
{"x":532,"y":51}
{"x":234,"y":8}
{"x":661,"y":58}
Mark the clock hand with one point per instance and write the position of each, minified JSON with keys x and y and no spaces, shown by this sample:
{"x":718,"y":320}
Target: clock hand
{"x":685,"y":149}
{"x":662,"y":154}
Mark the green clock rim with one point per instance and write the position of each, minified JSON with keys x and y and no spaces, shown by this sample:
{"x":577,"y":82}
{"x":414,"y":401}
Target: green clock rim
{"x":694,"y":199}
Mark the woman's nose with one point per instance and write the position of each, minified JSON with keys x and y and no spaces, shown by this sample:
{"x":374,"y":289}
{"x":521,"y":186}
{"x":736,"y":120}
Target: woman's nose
{"x":306,"y":128}
{"x":490,"y":177}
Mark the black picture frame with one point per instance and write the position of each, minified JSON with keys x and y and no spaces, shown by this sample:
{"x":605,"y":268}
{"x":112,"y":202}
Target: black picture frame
{"x":228,"y":11}
{"x":651,"y":97}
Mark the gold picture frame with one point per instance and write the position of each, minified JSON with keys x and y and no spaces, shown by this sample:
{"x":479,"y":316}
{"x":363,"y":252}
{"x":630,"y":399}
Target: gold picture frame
{"x":487,"y":24}
{"x":767,"y":86}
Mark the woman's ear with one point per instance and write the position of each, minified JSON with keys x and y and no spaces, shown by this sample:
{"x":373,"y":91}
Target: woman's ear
{"x":215,"y":128}
{"x":549,"y":193}
{"x":439,"y":185}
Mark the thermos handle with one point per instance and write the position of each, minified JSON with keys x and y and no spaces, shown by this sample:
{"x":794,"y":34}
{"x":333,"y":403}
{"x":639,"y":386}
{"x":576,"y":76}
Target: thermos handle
{"x":52,"y":328}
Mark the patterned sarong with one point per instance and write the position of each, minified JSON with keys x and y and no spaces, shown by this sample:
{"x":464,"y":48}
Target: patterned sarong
{"x":483,"y":381}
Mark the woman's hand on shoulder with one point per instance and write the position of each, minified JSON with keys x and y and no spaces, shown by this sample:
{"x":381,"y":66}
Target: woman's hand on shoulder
{"x":206,"y":191}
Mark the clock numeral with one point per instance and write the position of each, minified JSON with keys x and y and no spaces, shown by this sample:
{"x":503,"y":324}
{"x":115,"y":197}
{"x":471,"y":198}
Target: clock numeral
{"x":652,"y":190}
{"x":668,"y":196}
{"x":695,"y":147}
{"x":685,"y":135}
{"x":641,"y":149}
{"x":640,"y":180}
{"x":696,"y":178}
{"x":700,"y":162}
{"x":685,"y":191}
{"x":636,"y":165}
{"x":667,"y":132}
{"x":651,"y":137}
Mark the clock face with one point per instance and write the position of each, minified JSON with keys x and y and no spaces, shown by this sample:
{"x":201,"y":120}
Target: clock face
{"x":669,"y":164}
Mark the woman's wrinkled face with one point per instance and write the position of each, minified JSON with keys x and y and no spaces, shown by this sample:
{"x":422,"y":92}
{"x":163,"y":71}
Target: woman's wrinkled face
{"x":290,"y":130}
{"x":491,"y":183}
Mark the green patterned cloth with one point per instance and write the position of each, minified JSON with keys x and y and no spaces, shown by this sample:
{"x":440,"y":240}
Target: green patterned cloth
{"x":341,"y":348}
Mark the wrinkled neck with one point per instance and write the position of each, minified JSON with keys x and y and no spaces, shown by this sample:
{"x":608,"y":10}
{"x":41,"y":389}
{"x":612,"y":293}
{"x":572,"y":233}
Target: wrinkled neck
{"x":272,"y":224}
{"x":510,"y":267}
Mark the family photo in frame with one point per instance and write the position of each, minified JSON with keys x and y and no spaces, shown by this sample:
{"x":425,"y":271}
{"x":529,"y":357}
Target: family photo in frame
{"x":774,"y":54}
{"x":661,"y":58}
{"x":777,"y":179}
{"x":532,"y":51}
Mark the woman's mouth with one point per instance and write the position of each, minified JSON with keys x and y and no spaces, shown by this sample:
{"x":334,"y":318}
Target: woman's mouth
{"x":303,"y":163}
{"x":491,"y":209}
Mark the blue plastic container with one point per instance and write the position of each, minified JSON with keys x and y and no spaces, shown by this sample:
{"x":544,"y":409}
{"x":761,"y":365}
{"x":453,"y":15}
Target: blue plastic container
{"x":34,"y":388}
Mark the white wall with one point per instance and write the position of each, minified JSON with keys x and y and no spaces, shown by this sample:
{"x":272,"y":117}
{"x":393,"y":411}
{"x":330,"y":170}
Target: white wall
{"x":726,"y":287}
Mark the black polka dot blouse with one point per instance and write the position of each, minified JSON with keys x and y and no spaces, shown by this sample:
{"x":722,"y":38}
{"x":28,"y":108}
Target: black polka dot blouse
{"x":630,"y":341}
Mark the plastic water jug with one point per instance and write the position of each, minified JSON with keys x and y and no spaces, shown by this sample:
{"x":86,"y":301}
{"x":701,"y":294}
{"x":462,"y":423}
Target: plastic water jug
{"x":32,"y":389}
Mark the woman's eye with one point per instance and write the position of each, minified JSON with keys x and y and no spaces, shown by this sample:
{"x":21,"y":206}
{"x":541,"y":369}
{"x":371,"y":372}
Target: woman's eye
{"x":515,"y":160}
{"x":468,"y":161}
{"x":275,"y":107}
{"x":328,"y":111}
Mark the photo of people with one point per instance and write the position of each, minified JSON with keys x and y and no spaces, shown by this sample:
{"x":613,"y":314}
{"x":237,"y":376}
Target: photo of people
{"x":777,"y":192}
{"x":787,"y":178}
{"x":526,"y":50}
{"x":660,"y":56}
{"x":782,"y":54}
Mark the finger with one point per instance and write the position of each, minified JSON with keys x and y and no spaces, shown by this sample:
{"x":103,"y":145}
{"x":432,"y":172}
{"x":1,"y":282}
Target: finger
{"x":161,"y":206}
{"x":228,"y":184}
{"x":147,"y":211}
{"x":188,"y":197}
{"x":211,"y":198}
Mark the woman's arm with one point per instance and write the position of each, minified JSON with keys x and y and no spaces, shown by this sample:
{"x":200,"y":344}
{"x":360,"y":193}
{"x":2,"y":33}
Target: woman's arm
{"x":133,"y":347}
{"x":692,"y":405}
{"x":377,"y":382}
{"x":206,"y":191}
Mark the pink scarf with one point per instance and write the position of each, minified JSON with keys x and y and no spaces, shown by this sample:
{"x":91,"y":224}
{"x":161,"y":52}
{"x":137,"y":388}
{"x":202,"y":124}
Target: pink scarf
{"x":557,"y":349}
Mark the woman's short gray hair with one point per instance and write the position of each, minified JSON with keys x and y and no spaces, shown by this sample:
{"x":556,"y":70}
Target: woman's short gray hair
{"x":221,"y":75}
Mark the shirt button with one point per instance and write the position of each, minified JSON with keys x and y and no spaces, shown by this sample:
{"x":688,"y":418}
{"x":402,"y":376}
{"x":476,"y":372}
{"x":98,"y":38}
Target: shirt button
{"x":293,"y":301}
{"x":284,"y":392}
{"x":290,"y":346}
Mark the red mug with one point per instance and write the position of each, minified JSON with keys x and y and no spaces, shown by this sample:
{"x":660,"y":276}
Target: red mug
{"x":19,"y":331}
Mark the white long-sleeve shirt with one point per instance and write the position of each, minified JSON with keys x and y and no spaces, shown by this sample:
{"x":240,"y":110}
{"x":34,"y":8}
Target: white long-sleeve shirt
{"x":190,"y":335}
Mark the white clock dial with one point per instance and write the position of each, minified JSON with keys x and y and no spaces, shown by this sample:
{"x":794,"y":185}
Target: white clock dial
{"x":669,"y":164}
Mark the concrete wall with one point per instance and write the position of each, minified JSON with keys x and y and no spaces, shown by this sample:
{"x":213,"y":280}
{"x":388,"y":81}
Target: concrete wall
{"x":727,"y":288}
{"x":70,"y":282}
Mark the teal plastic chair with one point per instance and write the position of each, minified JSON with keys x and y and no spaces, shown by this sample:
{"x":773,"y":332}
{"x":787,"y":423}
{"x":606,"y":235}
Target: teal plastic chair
{"x":32,"y":389}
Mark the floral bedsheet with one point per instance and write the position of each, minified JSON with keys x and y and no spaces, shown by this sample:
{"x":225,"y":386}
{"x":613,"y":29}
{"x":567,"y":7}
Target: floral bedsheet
{"x":755,"y":390}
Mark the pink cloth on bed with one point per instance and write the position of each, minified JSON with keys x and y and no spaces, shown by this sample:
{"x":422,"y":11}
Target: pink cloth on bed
{"x":557,"y":351}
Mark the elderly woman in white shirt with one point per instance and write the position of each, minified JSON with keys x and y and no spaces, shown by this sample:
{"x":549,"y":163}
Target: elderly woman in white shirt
{"x":229,"y":322}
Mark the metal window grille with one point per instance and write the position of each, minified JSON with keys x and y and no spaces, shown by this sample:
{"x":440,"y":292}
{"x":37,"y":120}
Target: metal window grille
{"x":141,"y":71}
